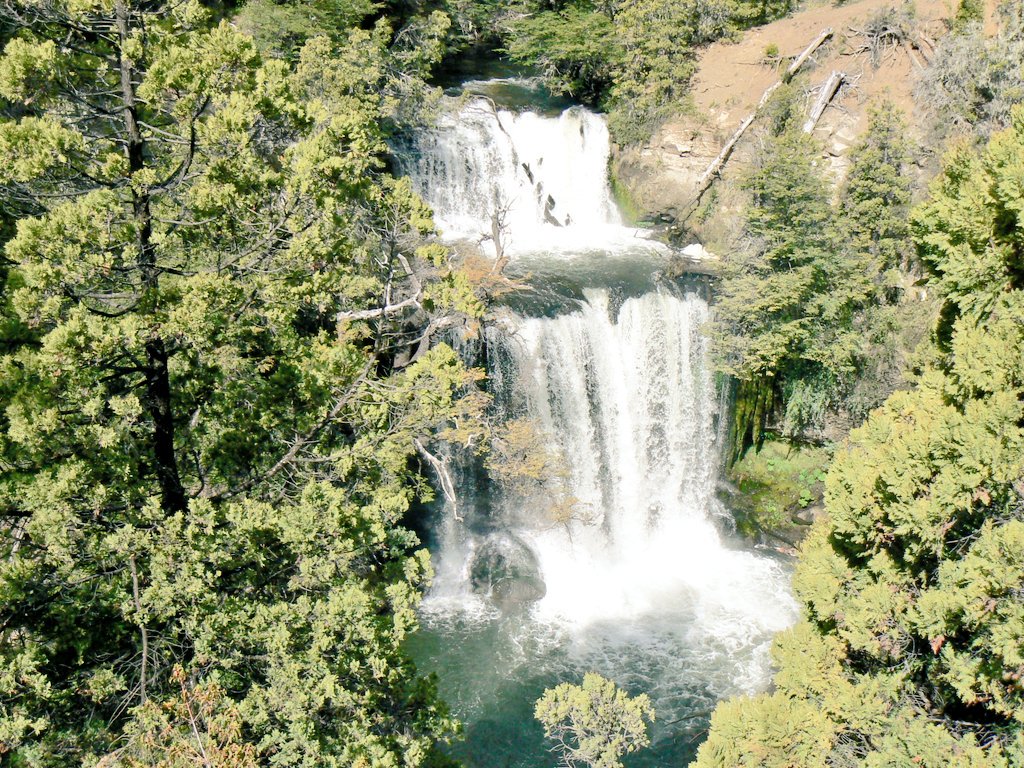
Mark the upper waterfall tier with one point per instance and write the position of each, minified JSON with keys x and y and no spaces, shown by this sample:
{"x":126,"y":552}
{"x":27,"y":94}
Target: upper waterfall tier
{"x":534,"y":182}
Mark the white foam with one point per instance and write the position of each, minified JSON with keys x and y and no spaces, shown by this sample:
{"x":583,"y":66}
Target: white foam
{"x":629,"y":402}
{"x":626,"y":395}
{"x":548,"y":175}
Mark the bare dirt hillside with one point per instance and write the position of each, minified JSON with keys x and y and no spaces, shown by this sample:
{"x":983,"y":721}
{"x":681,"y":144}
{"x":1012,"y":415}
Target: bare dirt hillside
{"x":732,"y":77}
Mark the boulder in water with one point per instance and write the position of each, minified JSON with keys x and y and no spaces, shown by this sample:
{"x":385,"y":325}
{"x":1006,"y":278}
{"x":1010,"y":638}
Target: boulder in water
{"x":505,"y":569}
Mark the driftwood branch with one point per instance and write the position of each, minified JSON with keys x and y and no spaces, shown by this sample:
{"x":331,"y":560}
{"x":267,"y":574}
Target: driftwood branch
{"x":713,"y":170}
{"x":927,"y":49}
{"x":424,"y":341}
{"x":828,"y":90}
{"x":388,"y":308}
{"x":385,"y":311}
{"x":444,"y":477}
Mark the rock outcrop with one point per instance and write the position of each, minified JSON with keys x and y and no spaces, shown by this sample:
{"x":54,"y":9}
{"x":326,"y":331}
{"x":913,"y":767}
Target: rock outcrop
{"x":506,"y":570}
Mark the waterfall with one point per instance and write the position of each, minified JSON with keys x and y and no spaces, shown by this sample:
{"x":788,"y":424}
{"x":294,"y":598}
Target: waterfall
{"x":542,"y":180}
{"x":613,"y":559}
{"x":624,"y":397}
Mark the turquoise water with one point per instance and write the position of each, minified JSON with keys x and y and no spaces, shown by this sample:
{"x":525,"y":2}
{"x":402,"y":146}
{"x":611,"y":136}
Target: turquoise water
{"x":492,"y":668}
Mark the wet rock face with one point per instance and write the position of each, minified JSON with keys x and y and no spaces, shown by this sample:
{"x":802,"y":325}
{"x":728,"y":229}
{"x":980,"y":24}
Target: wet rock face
{"x":505,"y":569}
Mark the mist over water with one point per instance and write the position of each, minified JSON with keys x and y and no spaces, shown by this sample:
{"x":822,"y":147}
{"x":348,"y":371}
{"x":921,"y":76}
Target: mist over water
{"x":641,"y":582}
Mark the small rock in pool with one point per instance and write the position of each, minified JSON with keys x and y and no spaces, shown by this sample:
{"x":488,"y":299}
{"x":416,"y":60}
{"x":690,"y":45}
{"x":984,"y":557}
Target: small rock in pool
{"x":506,"y":570}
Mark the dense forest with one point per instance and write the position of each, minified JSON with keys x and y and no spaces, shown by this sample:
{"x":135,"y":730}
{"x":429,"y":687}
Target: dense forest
{"x":212,"y":390}
{"x":910,"y":647}
{"x":223,"y":378}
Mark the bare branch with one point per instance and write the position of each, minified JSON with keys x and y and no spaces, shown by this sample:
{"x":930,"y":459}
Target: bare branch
{"x":443,"y":476}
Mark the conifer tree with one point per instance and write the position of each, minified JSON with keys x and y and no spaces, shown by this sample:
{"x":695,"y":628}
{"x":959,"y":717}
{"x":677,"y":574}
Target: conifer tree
{"x":206,"y":441}
{"x":911,"y":646}
{"x":782,"y":304}
{"x":763,"y":312}
{"x":875,"y":205}
{"x":803,"y":304}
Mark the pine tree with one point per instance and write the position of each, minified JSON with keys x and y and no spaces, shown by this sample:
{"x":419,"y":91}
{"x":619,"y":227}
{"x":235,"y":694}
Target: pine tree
{"x":783,"y":306}
{"x":911,"y":647}
{"x":875,"y":204}
{"x":207,"y":440}
{"x":764,"y":306}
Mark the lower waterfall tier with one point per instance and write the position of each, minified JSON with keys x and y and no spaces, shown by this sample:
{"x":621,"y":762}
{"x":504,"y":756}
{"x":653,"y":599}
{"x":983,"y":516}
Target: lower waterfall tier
{"x":614,"y":562}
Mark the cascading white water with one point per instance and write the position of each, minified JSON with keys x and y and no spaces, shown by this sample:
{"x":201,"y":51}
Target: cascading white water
{"x":625,"y":397}
{"x":542,"y":180}
{"x":636,"y":582}
{"x":627,"y":400}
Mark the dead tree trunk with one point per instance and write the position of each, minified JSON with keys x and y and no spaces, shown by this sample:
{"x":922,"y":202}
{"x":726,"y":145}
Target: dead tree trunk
{"x":909,"y":47}
{"x":713,"y":170}
{"x":808,"y":51}
{"x":828,"y":90}
{"x":444,"y":477}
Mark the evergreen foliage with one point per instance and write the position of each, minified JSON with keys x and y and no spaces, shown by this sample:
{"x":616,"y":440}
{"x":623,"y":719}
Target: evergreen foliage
{"x":213,"y":378}
{"x":576,"y":50}
{"x":799,"y":303}
{"x":658,"y":40}
{"x":766,"y":294}
{"x":633,"y":58}
{"x":875,"y":205}
{"x":911,"y":647}
{"x":968,"y":12}
{"x":596,"y":723}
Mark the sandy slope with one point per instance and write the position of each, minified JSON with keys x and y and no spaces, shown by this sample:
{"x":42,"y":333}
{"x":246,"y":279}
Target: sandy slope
{"x":732,"y":76}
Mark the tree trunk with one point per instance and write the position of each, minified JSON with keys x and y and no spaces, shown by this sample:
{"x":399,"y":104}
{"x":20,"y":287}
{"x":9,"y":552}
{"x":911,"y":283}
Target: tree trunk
{"x":828,"y":90}
{"x":810,"y":49}
{"x":158,"y":379}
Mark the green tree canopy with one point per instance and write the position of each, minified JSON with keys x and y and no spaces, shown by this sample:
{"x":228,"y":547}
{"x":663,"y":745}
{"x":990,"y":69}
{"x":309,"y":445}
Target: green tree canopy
{"x":633,"y":58}
{"x":207,"y":437}
{"x":911,"y":648}
{"x":577,"y":50}
{"x":810,"y":297}
{"x":765,"y":303}
{"x":596,"y":723}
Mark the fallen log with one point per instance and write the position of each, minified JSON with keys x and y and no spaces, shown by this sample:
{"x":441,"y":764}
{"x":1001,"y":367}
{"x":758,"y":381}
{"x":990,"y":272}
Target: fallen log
{"x":828,"y":90}
{"x":715,"y":168}
{"x":928,"y":49}
{"x":808,"y":51}
{"x":909,"y":47}
{"x":712,"y":170}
